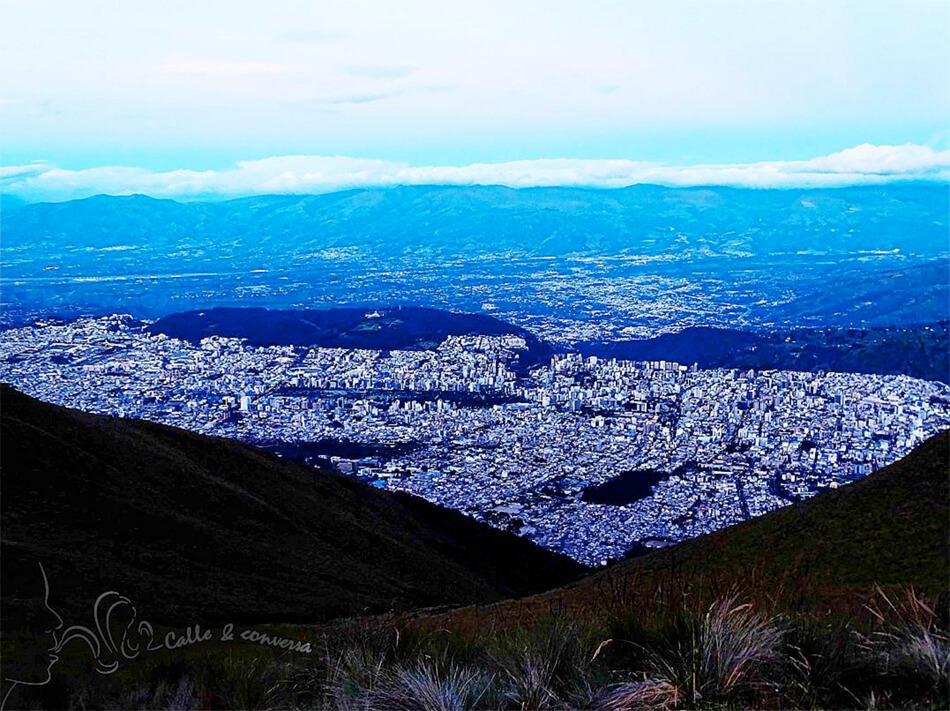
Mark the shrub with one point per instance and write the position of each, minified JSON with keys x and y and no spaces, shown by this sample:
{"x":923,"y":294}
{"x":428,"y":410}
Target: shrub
{"x":910,"y":652}
{"x":824,"y":663}
{"x":546,"y":667}
{"x":646,"y":694}
{"x":727,"y":656}
{"x":345,"y":677}
{"x":429,"y":687}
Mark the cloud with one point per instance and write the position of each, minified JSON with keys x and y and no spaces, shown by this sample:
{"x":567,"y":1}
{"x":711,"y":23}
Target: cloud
{"x":862,"y":165}
{"x":879,"y":160}
{"x":13,"y":173}
{"x":368,"y":97}
{"x":310,"y":36}
{"x":226,"y":68}
{"x":373,"y":71}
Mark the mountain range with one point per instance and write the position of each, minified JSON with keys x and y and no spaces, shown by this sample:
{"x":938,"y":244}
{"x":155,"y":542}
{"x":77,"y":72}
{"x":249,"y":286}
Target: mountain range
{"x":644,"y":256}
{"x":642,"y":219}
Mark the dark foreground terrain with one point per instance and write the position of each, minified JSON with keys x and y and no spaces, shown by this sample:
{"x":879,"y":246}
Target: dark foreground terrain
{"x":199,"y":529}
{"x":826,"y":553}
{"x":837,"y":602}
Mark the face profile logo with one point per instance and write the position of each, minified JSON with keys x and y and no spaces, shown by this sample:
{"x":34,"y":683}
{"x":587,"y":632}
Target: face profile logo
{"x":44,"y":647}
{"x":115,"y":635}
{"x":41,"y":652}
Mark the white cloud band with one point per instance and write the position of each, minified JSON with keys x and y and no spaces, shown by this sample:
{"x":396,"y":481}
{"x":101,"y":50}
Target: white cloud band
{"x":863,"y":165}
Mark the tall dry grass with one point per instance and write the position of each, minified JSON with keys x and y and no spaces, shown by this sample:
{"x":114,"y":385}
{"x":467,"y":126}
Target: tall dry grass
{"x":429,"y":686}
{"x":727,"y":655}
{"x":908,"y":648}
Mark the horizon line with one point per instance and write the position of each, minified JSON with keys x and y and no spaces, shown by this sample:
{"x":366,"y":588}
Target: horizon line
{"x":936,"y":182}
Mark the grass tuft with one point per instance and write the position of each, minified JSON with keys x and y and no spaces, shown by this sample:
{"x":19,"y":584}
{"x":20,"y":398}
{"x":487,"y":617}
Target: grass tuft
{"x":909,"y":648}
{"x":646,"y":694}
{"x":725,"y":656}
{"x":430,"y":687}
{"x":680,"y":654}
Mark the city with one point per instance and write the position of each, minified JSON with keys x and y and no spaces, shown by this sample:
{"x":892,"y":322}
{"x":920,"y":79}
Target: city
{"x":461,"y":426}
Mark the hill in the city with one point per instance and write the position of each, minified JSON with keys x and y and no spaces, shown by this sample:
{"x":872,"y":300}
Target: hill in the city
{"x":199,"y":529}
{"x":918,"y":351}
{"x":391,"y":328}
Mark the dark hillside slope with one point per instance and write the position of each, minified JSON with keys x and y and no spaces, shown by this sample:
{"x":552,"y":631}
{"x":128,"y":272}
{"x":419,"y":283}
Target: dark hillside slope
{"x":888,"y":529}
{"x":383,"y":328}
{"x":918,"y":351}
{"x":199,"y":529}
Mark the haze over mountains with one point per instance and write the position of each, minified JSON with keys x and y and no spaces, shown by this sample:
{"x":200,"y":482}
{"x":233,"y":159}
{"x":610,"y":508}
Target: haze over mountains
{"x":643,"y":219}
{"x":570,"y":264}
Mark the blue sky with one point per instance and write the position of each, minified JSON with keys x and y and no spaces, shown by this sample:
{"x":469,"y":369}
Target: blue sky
{"x":164,"y":87}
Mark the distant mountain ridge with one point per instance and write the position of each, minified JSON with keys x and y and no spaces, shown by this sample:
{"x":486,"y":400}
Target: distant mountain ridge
{"x":713,"y":256}
{"x":642,"y":219}
{"x":200,"y":529}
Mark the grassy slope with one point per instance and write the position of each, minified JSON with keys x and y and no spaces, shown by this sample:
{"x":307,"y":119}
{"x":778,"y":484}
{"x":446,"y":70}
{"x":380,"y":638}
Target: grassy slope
{"x":889,"y":529}
{"x":200,"y":529}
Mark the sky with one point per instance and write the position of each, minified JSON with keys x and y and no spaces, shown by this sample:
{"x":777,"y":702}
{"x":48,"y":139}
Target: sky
{"x":193,"y":99}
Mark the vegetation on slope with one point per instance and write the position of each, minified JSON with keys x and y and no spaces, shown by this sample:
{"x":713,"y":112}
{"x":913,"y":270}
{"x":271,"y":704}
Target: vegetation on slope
{"x":727,"y":655}
{"x":199,"y":529}
{"x":837,"y":602}
{"x":828,"y":553}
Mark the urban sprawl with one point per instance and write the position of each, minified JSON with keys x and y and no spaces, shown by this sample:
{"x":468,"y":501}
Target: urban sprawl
{"x":463,"y":427}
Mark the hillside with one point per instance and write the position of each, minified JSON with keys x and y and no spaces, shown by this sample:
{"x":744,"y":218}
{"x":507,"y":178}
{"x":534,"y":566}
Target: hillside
{"x":889,"y":528}
{"x":917,"y":351}
{"x":200,"y":529}
{"x":397,"y":328}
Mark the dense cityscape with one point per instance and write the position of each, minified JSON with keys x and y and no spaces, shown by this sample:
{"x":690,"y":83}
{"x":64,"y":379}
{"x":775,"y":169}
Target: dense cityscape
{"x":462,"y":426}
